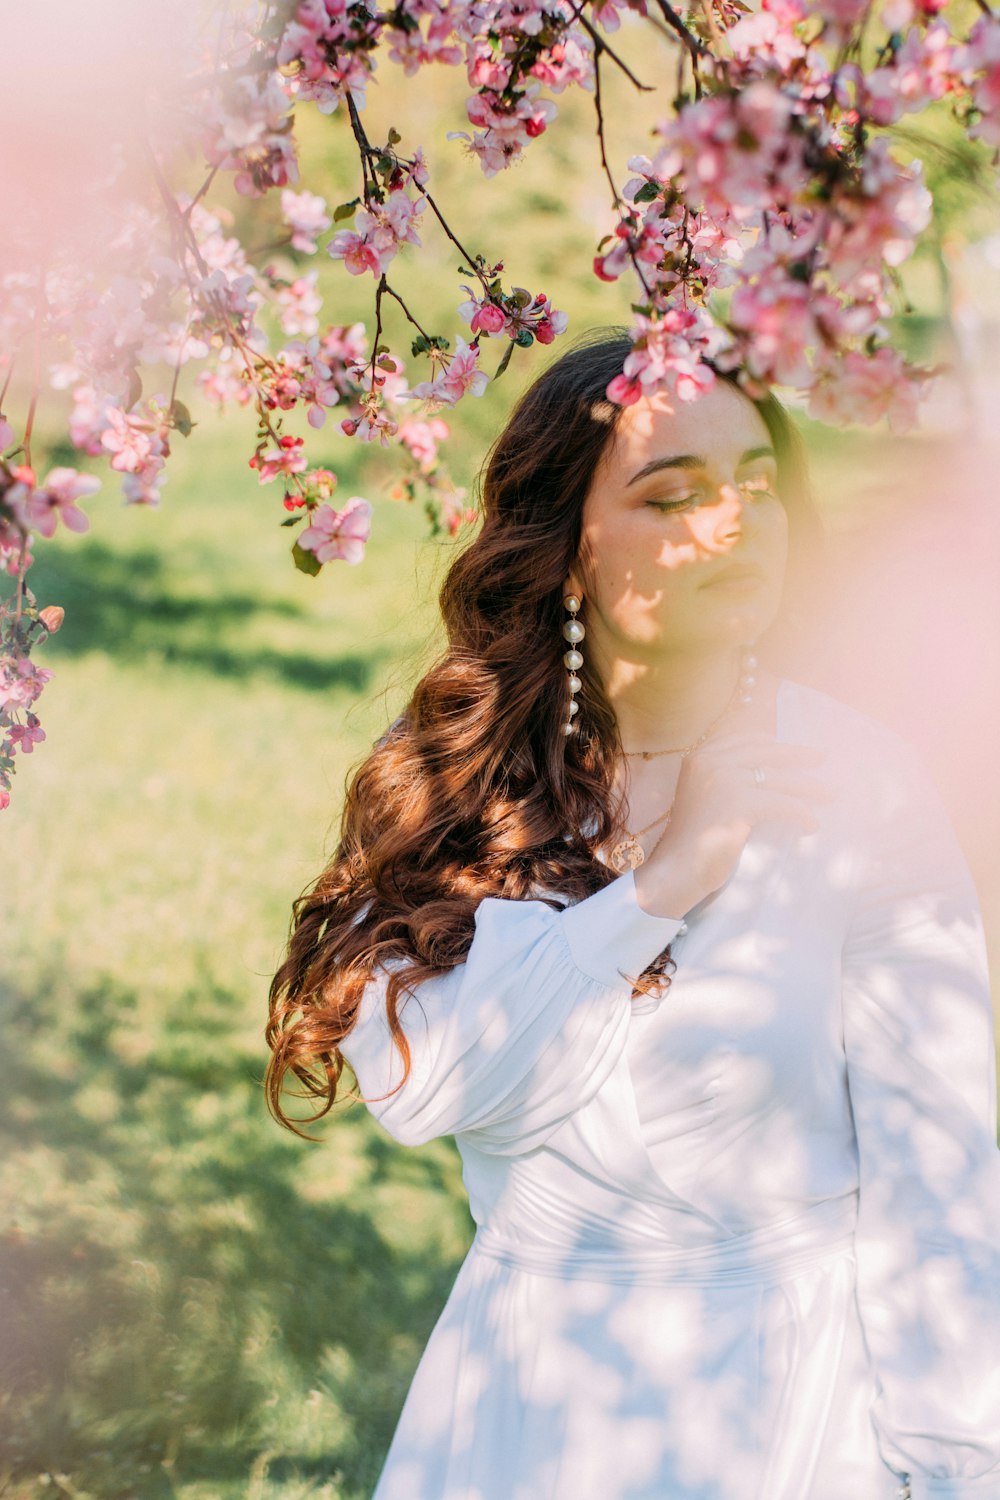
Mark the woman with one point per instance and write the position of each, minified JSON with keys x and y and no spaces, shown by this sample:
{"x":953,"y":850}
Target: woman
{"x":688,"y":959}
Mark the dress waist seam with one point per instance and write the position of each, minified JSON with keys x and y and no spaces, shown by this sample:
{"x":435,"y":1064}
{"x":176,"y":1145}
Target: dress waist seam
{"x":766,"y":1256}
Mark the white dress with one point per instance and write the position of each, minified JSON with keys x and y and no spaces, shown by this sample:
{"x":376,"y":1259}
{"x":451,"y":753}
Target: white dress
{"x":742,"y":1243}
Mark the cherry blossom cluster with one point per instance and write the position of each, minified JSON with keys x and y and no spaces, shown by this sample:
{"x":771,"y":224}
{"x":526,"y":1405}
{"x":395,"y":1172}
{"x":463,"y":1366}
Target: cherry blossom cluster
{"x":765,"y":230}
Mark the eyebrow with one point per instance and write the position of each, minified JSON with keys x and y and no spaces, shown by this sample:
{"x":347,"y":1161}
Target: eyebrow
{"x":695,"y":461}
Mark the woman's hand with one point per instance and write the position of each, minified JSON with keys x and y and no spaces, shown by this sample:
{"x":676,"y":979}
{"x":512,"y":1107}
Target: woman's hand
{"x":716,"y":804}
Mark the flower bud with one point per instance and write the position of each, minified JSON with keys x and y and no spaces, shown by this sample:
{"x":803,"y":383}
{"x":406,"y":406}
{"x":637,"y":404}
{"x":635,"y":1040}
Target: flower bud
{"x":52,"y":617}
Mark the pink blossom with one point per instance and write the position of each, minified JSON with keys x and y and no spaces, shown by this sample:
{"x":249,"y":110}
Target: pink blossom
{"x":338,"y":535}
{"x":343,"y":344}
{"x":21,"y":681}
{"x":421,"y":439}
{"x":307,"y":215}
{"x":142,"y":487}
{"x":129,"y":439}
{"x":356,"y":253}
{"x":506,"y":126}
{"x":492,"y":154}
{"x":222,"y":296}
{"x":41,"y":508}
{"x":567,"y":62}
{"x":6,"y":433}
{"x":248,"y":133}
{"x":841,"y":15}
{"x":318,"y":484}
{"x":624,"y":390}
{"x":372,"y":424}
{"x":776,"y":316}
{"x":304,"y":373}
{"x":287,"y":458}
{"x":483,"y":317}
{"x":864,"y":388}
{"x":979,"y":63}
{"x":226,"y":382}
{"x":734,"y":152}
{"x":768,"y":38}
{"x":881,"y":223}
{"x":298,"y":305}
{"x":644,"y":243}
{"x":461,"y":375}
{"x":668,"y":355}
{"x":383,"y":227}
{"x":920,"y":72}
{"x":326,"y":70}
{"x":416,"y":48}
{"x":89,"y":419}
{"x":13,"y":546}
{"x":25,"y":737}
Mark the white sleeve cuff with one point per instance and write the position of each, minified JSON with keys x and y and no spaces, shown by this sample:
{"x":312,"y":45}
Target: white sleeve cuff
{"x":611,"y":937}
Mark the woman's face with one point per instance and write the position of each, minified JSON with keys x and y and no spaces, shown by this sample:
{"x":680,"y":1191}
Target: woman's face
{"x":679,"y":495}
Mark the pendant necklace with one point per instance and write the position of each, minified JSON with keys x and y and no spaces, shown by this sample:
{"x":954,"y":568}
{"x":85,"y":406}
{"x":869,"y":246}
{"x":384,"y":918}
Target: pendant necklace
{"x":628,"y":853}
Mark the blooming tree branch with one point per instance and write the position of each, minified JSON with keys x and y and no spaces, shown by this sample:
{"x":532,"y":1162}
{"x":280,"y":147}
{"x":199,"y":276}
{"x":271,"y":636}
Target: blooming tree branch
{"x":764,"y":233}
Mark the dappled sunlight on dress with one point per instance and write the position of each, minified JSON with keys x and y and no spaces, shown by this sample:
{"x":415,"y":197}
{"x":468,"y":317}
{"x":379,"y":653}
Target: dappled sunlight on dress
{"x":741,"y":1243}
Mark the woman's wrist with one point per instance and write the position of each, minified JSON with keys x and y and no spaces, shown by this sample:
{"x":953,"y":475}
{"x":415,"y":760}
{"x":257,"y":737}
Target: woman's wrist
{"x":663,"y":891}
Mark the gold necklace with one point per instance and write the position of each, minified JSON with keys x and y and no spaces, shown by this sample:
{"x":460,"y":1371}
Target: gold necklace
{"x":628,"y":853}
{"x":686,"y":749}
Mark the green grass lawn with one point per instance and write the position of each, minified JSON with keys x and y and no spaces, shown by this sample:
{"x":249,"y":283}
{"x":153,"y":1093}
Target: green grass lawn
{"x":195,"y":1303}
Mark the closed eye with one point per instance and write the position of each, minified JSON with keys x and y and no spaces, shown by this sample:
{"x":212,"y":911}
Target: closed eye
{"x":758,"y":484}
{"x":679,"y":503}
{"x":754,"y":487}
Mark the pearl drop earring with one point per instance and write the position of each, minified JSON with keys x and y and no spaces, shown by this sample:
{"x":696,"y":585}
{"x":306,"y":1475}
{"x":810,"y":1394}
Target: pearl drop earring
{"x":573,"y":632}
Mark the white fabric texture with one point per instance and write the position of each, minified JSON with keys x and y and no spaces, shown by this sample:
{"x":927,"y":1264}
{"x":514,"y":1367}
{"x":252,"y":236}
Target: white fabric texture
{"x":742,"y":1243}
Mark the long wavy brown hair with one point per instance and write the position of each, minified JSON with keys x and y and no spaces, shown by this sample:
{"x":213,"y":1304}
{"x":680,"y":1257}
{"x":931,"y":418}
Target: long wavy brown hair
{"x":475,"y":791}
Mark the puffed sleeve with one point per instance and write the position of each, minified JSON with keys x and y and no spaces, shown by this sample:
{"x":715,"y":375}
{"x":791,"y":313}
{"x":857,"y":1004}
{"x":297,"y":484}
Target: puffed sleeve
{"x":508,"y":1044}
{"x":921,"y":1064}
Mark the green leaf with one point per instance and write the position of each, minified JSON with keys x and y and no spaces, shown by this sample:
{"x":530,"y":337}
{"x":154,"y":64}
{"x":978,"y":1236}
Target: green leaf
{"x":293,"y":520}
{"x":394,"y":136}
{"x":345,"y":210}
{"x":524,"y":338}
{"x":180,"y":418}
{"x":306,"y":562}
{"x":648,"y":192}
{"x":505,"y":361}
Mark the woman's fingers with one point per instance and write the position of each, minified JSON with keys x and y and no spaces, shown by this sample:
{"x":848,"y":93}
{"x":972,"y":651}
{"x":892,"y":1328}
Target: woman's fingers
{"x":793,"y":783}
{"x":754,"y":747}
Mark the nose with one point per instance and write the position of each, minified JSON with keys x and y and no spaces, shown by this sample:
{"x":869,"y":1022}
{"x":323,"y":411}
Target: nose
{"x":728,"y":519}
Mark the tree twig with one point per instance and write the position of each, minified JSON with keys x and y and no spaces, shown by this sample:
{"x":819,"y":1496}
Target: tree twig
{"x":600,"y":45}
{"x":410,"y":318}
{"x":599,"y":110}
{"x":471,"y":259}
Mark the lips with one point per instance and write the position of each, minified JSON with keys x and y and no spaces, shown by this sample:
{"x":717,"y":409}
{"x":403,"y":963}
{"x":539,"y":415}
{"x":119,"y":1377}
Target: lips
{"x":736,"y":572}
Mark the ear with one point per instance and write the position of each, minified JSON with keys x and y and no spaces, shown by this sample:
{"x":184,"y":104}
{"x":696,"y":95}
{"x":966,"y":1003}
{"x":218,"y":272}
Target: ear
{"x":573,"y":585}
